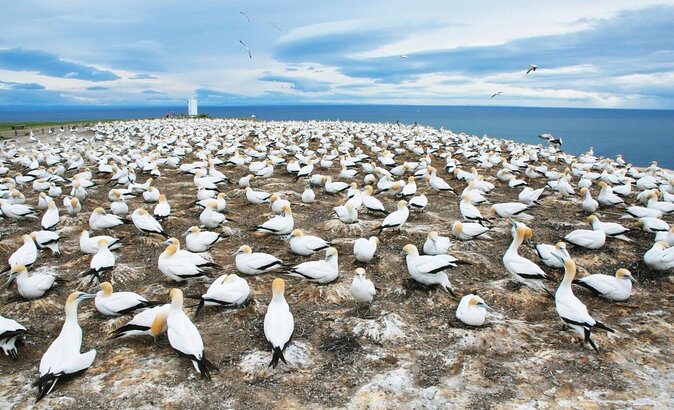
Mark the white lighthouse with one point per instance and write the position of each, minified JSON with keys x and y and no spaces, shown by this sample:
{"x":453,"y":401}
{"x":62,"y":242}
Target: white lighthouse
{"x":192,"y":107}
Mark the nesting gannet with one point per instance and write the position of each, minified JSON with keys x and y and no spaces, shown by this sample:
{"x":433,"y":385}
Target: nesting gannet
{"x":185,"y":338}
{"x":277,"y":204}
{"x":586,"y":238}
{"x":418,"y":202}
{"x":530,"y":196}
{"x":51,"y":217}
{"x":364,"y":249}
{"x":163,"y":209}
{"x":306,"y":245}
{"x":660,"y":256}
{"x":229,"y":290}
{"x":10,"y":332}
{"x":650,"y":224}
{"x":472,"y":310}
{"x":666,"y":236}
{"x":371,"y":203}
{"x":335,"y":187}
{"x":254,"y":263}
{"x":611,"y":229}
{"x":151,"y":322}
{"x":436,"y":244}
{"x":102,"y":261}
{"x":618,"y":287}
{"x":257,"y":197}
{"x":26,"y":254}
{"x":89,"y":244}
{"x":117,"y":205}
{"x":100,"y":220}
{"x":281,"y":224}
{"x":588,"y":203}
{"x":522,"y":269}
{"x":63,"y":359}
{"x":641,"y":212}
{"x":550,"y":254}
{"x":468,"y":210}
{"x":177,"y":265}
{"x":467,"y":231}
{"x":428,"y":269}
{"x":308,"y":195}
{"x":279,"y":324}
{"x":197,"y":240}
{"x":323,"y":271}
{"x":72,"y":205}
{"x":119,"y":303}
{"x":210,"y":217}
{"x":606,"y":196}
{"x":348,"y":214}
{"x":572,"y":311}
{"x":395,"y":219}
{"x":146,"y":223}
{"x":512,"y":210}
{"x":32,"y":285}
{"x":362,"y":289}
{"x":47,"y":240}
{"x":16,"y":211}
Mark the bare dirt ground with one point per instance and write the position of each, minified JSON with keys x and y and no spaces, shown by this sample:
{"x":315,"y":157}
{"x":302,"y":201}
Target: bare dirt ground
{"x":413,"y":353}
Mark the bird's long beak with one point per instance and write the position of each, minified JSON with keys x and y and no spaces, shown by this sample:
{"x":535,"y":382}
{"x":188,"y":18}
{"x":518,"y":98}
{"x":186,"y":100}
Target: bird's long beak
{"x":166,"y":242}
{"x":486,"y":306}
{"x":187,"y":232}
{"x":10,"y":279}
{"x":632,"y":279}
{"x":85,"y":296}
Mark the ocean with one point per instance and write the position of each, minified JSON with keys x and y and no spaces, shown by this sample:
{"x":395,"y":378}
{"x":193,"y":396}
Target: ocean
{"x":641,"y":136}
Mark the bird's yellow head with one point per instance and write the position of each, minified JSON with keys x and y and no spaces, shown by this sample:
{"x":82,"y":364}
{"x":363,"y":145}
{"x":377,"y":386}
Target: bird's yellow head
{"x":410,"y":249}
{"x":278,"y":286}
{"x":106,"y":287}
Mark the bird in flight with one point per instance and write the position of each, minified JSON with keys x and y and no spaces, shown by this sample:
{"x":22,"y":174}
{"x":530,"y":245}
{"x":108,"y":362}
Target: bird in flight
{"x":248,"y":49}
{"x":532,"y":67}
{"x":404,"y":57}
{"x":275,"y":26}
{"x":495,"y":94}
{"x":244,"y":13}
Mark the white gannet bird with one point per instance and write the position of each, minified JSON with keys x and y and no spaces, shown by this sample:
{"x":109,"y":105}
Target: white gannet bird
{"x":362,"y":289}
{"x":641,"y":212}
{"x":198,"y":241}
{"x":308,"y":195}
{"x":612,"y":229}
{"x":469,"y":231}
{"x":72,"y":205}
{"x":513,"y":210}
{"x":178,"y":266}
{"x":586,"y":238}
{"x":89,"y":244}
{"x":617,"y":288}
{"x":281,"y":224}
{"x":336,"y":187}
{"x":100,"y":220}
{"x":51,"y":216}
{"x":210,"y":217}
{"x":25,"y":255}
{"x":112,"y":303}
{"x":664,"y":207}
{"x":395,"y":219}
{"x":418,"y":203}
{"x":10,"y":332}
{"x":472,"y":310}
{"x":220,"y":199}
{"x":63,"y":359}
{"x":606,"y":196}
{"x":348,"y":214}
{"x":588,"y":203}
{"x":306,"y":245}
{"x":151,"y":195}
{"x":428,"y":269}
{"x":653,"y":225}
{"x":117,"y":205}
{"x":660,"y":256}
{"x":279,"y":324}
{"x":524,"y":271}
{"x":530,"y":196}
{"x":364,"y":249}
{"x":229,"y":290}
{"x":436,"y":244}
{"x":277,"y":204}
{"x":151,"y":322}
{"x":16,"y":211}
{"x":254,"y":263}
{"x":470,"y":211}
{"x":322,"y":272}
{"x":666,"y":236}
{"x":184,"y":337}
{"x":257,"y":197}
{"x":33,"y":285}
{"x":146,"y":223}
{"x":163,"y":209}
{"x":572,"y":311}
{"x":550,"y":254}
{"x":102,"y":261}
{"x":371,"y":203}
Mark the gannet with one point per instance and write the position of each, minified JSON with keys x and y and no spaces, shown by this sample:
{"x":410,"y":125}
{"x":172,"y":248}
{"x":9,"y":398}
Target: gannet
{"x":653,"y":225}
{"x":47,"y":240}
{"x":618,"y":287}
{"x":428,"y":269}
{"x":664,"y":207}
{"x":436,"y":244}
{"x":163,"y":209}
{"x":667,"y":236}
{"x":117,"y":205}
{"x":334,"y":187}
{"x":146,"y":223}
{"x":395,"y":219}
{"x":102,"y":261}
{"x":410,"y":189}
{"x":586,"y":238}
{"x":16,"y":211}
{"x":572,"y":311}
{"x":606,"y":196}
{"x":100,"y":220}
{"x":660,"y":256}
{"x":257,"y":197}
{"x":371,"y":203}
{"x":210,"y":217}
{"x":467,"y":231}
{"x":51,"y":216}
{"x":279,"y":324}
{"x":550,"y":254}
{"x":472,"y":310}
{"x":512,"y":210}
{"x":10,"y":332}
{"x":90,"y":244}
{"x":25,"y":255}
{"x":197,"y":240}
{"x":308,"y":195}
{"x":72,"y":205}
{"x":588,"y":203}
{"x":364,"y":249}
{"x":418,"y":202}
{"x":281,"y":224}
{"x":277,"y":204}
{"x":178,"y":266}
{"x":323,"y":271}
{"x":229,"y":290}
{"x":63,"y":359}
{"x":306,"y":245}
{"x":611,"y":229}
{"x":184,"y":337}
{"x":119,"y":303}
{"x":151,"y":322}
{"x":362,"y":289}
{"x":254,"y":263}
{"x":641,"y":212}
{"x":33,"y":285}
{"x":522,"y":269}
{"x":468,"y":210}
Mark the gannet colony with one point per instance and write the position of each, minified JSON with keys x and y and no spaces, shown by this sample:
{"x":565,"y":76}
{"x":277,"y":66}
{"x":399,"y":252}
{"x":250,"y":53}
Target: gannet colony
{"x":203,"y":263}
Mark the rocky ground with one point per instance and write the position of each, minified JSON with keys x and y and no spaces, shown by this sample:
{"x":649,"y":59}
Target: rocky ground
{"x":411,"y":353}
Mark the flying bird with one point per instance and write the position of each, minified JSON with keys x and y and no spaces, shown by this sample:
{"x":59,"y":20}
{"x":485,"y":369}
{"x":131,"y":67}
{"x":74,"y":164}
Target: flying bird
{"x":532,"y":67}
{"x":495,"y":94}
{"x":404,"y":57}
{"x":244,"y":13}
{"x":275,"y":26}
{"x":248,"y":49}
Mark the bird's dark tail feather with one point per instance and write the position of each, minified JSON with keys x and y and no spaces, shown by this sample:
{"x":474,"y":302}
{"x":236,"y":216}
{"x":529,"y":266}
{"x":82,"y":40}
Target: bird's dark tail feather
{"x":586,"y":286}
{"x":277,"y":354}
{"x":603,"y":326}
{"x":206,"y":367}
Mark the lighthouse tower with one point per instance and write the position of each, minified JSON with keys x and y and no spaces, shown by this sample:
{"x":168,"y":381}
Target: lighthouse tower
{"x":192,"y":107}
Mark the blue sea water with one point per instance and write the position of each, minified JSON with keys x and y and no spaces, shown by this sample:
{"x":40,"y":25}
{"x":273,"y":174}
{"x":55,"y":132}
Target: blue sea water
{"x":640,"y":135}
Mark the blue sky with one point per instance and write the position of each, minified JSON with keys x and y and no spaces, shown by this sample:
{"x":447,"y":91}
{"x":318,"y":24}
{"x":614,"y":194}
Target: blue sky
{"x":608,"y":54}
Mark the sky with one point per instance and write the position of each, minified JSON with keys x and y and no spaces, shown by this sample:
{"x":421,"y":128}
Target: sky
{"x":596,"y":54}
